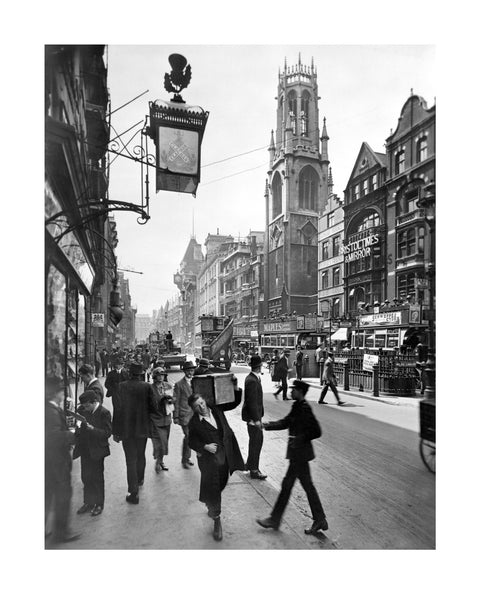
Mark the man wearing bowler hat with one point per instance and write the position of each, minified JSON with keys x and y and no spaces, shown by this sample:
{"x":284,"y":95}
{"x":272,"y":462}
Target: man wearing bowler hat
{"x":252,"y":413}
{"x":131,"y":426}
{"x":182,"y":412}
{"x":203,"y":367}
{"x":302,"y":427}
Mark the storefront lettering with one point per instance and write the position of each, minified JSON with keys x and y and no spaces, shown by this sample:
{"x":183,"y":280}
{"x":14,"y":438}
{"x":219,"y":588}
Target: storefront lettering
{"x":360,"y":248}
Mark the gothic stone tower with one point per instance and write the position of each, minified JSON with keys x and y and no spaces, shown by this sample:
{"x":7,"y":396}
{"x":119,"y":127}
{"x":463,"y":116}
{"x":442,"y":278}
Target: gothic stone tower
{"x":295,"y":194}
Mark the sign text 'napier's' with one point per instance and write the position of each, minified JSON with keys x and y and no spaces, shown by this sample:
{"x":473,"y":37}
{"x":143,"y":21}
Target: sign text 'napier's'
{"x":360,"y":248}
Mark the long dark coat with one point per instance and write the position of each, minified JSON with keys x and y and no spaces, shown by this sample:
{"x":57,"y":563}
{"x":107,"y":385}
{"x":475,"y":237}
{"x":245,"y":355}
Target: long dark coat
{"x":228,"y":453}
{"x":252,"y":409}
{"x":302,"y":427}
{"x":94,"y":442}
{"x":281,"y":369}
{"x":131,"y":415}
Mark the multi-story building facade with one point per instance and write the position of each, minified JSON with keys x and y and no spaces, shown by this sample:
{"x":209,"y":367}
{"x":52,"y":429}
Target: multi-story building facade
{"x":186,"y":281}
{"x":330,"y":261}
{"x":411,"y":168}
{"x":76,"y":137}
{"x":365,"y":245}
{"x":296,"y":192}
{"x":208,"y":280}
{"x":124,"y":334}
{"x":143,"y":326}
{"x":241,"y":274}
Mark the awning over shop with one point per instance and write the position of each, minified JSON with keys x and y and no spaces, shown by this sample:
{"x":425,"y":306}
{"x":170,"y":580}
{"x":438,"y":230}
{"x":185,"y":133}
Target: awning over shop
{"x":340,"y":334}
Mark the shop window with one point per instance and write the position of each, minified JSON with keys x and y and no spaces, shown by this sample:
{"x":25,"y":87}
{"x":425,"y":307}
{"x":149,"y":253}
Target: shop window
{"x":55,"y":322}
{"x":399,"y":162}
{"x":308,"y":188}
{"x":325,"y":279}
{"x":325,"y":250}
{"x":422,"y":149}
{"x":336,"y":245}
{"x":336,"y":276}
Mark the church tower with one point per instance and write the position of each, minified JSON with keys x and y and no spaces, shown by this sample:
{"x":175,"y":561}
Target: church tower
{"x":296,"y":193}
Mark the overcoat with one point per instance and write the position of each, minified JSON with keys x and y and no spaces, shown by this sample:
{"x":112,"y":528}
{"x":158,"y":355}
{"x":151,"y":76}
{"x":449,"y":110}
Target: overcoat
{"x":158,"y":412}
{"x":94,"y":442}
{"x":131,"y":415}
{"x":181,"y":392}
{"x":252,"y":409}
{"x":228,"y":452}
{"x":281,"y":368}
{"x":302,"y":427}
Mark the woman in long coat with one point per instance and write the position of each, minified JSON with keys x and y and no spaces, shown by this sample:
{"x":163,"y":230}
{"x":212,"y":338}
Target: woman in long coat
{"x":161,"y":408}
{"x":217,"y":449}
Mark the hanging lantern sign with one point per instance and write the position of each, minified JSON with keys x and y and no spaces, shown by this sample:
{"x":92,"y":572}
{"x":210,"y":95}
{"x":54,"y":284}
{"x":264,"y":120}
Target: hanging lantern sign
{"x":177,"y":130}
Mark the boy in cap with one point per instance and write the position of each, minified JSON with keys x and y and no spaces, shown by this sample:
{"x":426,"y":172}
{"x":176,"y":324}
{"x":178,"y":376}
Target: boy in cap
{"x":92,"y":448}
{"x":252,"y":413}
{"x":302,"y":428}
{"x":182,"y":412}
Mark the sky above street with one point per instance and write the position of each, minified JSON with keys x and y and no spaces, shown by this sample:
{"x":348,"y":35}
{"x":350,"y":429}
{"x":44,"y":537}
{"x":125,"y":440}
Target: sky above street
{"x":362,"y":90}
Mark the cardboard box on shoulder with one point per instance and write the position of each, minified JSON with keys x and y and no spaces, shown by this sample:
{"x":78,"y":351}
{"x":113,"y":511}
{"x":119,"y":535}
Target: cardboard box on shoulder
{"x":216,"y":388}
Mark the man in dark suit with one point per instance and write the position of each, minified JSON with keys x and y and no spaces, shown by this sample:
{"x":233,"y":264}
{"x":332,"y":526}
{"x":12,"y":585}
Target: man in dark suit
{"x":182,"y":412}
{"x":252,"y":413}
{"x":92,"y":447}
{"x":281,"y":373}
{"x":131,"y":426}
{"x":90,"y":382}
{"x":58,"y":461}
{"x":299,"y":362}
{"x":302,"y":428}
{"x":217,"y":449}
{"x":113,"y":379}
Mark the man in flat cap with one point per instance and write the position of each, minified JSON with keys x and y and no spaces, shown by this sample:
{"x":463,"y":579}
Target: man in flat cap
{"x":182,"y":412}
{"x":131,"y":426}
{"x":302,"y":427}
{"x":252,"y":413}
{"x":92,"y":448}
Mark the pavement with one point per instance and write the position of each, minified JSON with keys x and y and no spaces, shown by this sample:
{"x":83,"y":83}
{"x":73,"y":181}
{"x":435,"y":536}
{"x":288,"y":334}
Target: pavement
{"x":169,"y":515}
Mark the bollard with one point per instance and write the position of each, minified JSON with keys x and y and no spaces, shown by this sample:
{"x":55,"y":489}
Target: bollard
{"x":375,"y":379}
{"x":346,"y":375}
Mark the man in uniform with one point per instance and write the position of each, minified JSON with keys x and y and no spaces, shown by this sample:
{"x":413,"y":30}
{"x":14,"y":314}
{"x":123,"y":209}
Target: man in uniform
{"x":302,"y":428}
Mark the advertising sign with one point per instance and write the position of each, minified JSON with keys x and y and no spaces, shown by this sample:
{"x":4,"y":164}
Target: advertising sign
{"x":359,"y":248}
{"x":415,"y":317}
{"x":98,"y":320}
{"x":310,"y":323}
{"x":300,"y":322}
{"x":381,"y":319}
{"x":369,"y":361}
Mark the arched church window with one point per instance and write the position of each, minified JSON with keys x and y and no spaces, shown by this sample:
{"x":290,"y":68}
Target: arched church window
{"x":308,"y":188}
{"x":304,"y":113}
{"x":276,"y":195}
{"x":292,"y":111}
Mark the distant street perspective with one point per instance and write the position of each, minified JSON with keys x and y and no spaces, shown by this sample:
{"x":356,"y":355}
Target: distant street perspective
{"x":240,"y":297}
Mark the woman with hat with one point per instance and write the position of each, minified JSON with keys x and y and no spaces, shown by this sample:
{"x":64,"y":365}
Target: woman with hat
{"x":161,"y":410}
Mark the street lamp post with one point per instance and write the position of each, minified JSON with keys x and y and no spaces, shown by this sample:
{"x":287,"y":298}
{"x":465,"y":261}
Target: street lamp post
{"x":427,"y":202}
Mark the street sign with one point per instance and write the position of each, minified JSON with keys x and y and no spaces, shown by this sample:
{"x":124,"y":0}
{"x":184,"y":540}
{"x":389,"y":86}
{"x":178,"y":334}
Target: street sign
{"x":98,"y":320}
{"x":369,"y":361}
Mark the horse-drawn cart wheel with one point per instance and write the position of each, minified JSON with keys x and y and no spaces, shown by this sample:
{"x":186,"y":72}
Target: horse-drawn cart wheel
{"x":427,"y":453}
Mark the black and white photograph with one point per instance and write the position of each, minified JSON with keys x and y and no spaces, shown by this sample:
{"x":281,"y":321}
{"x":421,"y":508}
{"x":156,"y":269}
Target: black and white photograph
{"x":240,"y":282}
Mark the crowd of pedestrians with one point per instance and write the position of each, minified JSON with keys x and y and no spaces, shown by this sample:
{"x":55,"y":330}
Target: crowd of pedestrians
{"x":144,"y":410}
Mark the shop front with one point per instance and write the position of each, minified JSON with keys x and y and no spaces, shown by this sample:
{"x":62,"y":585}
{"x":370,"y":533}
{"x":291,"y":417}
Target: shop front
{"x":68,"y":284}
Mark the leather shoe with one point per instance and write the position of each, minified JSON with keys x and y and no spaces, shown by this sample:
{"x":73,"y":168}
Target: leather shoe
{"x":187,"y":464}
{"x":97,"y":510}
{"x":217,"y":529}
{"x":317,"y":525}
{"x":256,"y":474}
{"x":86,"y":507}
{"x":268,"y":523}
{"x":132,"y":498}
